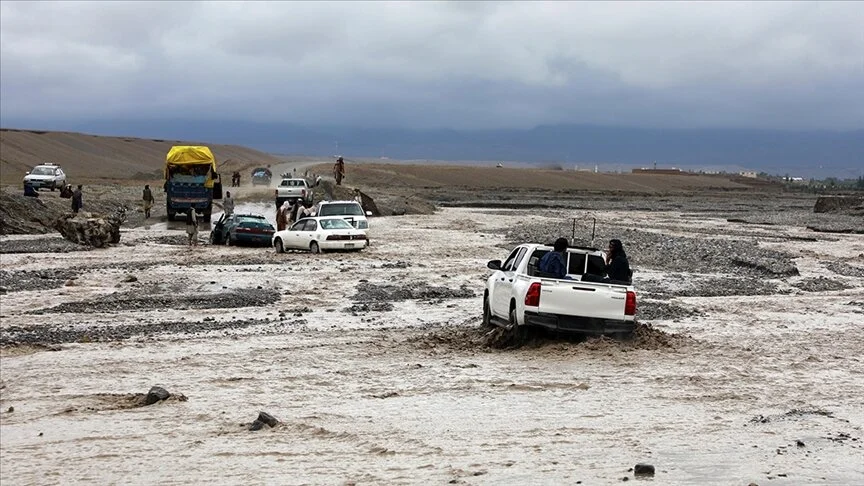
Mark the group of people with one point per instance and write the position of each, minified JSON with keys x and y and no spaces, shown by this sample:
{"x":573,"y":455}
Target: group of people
{"x":288,"y":214}
{"x":66,"y":192}
{"x":617,"y":267}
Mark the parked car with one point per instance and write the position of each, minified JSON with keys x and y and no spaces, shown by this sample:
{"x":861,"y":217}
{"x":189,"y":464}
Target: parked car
{"x":292,"y":189}
{"x":517,"y":294}
{"x":261,"y":176}
{"x":350,"y":211}
{"x":242,"y":228}
{"x":46,"y":175}
{"x":318,"y":234}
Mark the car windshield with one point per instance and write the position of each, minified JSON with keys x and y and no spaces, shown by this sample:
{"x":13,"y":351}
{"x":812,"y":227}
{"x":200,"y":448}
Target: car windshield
{"x":340,"y":209}
{"x":259,"y":173}
{"x":43,"y":171}
{"x":253,"y":222}
{"x":330,"y":224}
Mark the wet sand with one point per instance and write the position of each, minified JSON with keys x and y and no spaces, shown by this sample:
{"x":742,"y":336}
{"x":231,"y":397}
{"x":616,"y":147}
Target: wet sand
{"x":407,"y":389}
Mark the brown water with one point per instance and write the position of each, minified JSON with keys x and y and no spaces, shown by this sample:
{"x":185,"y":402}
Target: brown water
{"x":410,"y":395}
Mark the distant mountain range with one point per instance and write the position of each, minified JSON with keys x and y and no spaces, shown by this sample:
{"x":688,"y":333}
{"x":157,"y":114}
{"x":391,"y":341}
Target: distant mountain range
{"x":797,"y":153}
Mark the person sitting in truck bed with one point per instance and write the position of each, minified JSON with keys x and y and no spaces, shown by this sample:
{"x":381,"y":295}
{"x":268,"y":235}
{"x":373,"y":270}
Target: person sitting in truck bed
{"x":617,"y":266}
{"x":553,"y":263}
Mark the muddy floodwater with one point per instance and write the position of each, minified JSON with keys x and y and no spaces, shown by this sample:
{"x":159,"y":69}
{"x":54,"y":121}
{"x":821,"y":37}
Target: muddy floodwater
{"x":377,"y":368}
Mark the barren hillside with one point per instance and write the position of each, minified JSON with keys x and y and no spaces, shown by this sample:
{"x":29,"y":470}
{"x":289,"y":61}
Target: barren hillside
{"x":87,"y":157}
{"x":437,"y":178}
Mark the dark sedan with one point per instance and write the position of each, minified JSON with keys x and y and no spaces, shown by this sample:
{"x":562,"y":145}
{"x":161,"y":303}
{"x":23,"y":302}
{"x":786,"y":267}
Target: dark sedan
{"x":242,"y":228}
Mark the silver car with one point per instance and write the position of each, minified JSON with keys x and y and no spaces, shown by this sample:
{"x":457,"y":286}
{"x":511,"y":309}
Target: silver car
{"x":46,"y":175}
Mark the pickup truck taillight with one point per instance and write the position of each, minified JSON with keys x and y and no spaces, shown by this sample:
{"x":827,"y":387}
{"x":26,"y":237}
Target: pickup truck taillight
{"x":276,"y":192}
{"x":532,"y":298}
{"x":630,"y":304}
{"x":303,"y":193}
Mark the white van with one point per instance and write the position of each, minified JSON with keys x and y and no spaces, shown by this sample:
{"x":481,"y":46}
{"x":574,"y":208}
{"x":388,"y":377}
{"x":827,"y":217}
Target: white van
{"x":350,"y":211}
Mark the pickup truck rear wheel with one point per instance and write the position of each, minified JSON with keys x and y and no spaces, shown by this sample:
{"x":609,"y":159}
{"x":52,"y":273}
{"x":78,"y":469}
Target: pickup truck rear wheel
{"x":487,"y":313}
{"x":513,"y":322}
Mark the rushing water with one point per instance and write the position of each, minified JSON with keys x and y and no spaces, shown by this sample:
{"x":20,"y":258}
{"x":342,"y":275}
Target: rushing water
{"x":755,"y":388}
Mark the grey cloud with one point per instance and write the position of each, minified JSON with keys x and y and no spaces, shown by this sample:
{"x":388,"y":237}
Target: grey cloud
{"x":426,"y":64}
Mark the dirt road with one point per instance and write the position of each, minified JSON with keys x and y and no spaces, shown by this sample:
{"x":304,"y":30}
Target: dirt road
{"x":375,"y":364}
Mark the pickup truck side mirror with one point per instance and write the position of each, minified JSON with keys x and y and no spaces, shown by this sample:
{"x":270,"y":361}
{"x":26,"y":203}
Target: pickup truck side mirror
{"x":27,"y":173}
{"x":368,"y":213}
{"x":494,"y":264}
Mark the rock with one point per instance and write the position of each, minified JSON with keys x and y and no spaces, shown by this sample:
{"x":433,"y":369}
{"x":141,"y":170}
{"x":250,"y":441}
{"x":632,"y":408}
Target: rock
{"x":130,"y":278}
{"x":256,"y":425}
{"x":800,"y":443}
{"x":643,"y":469}
{"x":156,"y":394}
{"x":91,"y":229}
{"x":10,"y":410}
{"x":267,"y":419}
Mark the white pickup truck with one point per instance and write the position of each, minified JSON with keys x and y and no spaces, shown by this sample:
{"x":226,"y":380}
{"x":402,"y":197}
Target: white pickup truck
{"x":518,"y":295}
{"x":292,"y":189}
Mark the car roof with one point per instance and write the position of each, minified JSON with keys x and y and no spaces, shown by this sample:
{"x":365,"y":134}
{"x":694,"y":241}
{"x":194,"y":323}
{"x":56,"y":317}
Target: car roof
{"x":339,"y":202}
{"x":256,"y":216}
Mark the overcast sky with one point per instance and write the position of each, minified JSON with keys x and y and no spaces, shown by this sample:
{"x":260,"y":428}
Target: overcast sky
{"x":795,"y":65}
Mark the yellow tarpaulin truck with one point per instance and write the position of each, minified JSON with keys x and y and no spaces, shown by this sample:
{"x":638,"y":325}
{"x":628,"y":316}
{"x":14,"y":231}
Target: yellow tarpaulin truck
{"x":191,"y":181}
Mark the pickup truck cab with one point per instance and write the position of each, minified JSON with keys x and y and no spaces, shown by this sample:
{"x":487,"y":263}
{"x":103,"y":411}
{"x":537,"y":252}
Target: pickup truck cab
{"x":350,"y":211}
{"x":292,"y":189}
{"x":518,"y":295}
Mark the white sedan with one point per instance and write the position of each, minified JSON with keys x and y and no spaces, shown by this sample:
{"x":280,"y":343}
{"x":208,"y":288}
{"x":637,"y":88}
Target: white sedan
{"x":319,"y":234}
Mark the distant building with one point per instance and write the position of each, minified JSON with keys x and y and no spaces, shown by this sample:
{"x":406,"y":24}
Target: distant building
{"x":749,"y":173}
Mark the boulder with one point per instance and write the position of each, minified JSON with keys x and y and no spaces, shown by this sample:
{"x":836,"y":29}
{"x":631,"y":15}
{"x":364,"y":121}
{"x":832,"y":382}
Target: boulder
{"x":156,"y":394}
{"x":643,"y":469}
{"x":263,"y":419}
{"x":91,"y":229}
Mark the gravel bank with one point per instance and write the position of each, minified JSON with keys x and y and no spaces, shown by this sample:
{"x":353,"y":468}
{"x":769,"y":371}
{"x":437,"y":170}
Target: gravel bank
{"x":133,"y":301}
{"x":46,"y":244}
{"x":52,"y":334}
{"x":417,"y":290}
{"x":18,"y":280}
{"x":673,"y":253}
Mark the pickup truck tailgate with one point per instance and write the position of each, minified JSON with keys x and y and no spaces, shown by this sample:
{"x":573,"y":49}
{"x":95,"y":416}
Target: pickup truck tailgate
{"x":584,"y":299}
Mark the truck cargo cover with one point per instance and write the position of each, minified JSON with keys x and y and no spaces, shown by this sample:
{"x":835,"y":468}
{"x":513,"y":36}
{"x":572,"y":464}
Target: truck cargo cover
{"x":190,"y":155}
